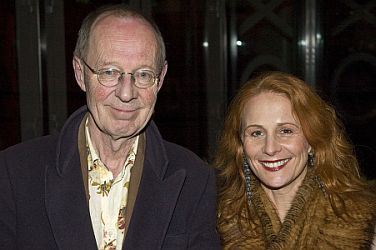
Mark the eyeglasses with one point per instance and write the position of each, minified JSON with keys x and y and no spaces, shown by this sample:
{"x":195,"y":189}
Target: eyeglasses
{"x":110,"y":77}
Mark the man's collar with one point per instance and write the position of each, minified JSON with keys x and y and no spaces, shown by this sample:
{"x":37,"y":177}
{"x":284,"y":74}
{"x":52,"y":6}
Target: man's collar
{"x":93,"y":153}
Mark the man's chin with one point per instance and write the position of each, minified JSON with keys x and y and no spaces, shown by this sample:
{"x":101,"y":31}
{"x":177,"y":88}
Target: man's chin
{"x":123,"y":132}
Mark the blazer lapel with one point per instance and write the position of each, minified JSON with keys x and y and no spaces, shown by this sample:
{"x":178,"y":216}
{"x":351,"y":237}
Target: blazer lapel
{"x":157,"y":196}
{"x":65,"y":198}
{"x":67,"y":209}
{"x":153,"y":210}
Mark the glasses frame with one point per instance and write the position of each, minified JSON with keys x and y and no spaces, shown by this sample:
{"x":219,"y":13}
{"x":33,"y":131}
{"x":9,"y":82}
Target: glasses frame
{"x":122,"y":73}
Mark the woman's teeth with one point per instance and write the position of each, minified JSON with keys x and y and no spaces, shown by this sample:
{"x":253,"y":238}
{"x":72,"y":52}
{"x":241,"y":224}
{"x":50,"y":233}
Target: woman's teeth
{"x":275,"y":164}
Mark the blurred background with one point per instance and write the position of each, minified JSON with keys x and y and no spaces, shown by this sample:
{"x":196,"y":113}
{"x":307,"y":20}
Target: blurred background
{"x":213,"y":46}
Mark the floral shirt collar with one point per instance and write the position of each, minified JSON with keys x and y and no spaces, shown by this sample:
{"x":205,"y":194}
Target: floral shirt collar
{"x":108,"y":197}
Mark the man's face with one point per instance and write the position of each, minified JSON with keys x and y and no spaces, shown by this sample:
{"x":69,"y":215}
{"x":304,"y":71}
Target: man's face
{"x":128,"y":44}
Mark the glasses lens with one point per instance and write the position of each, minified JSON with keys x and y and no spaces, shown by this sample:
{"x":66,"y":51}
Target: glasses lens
{"x":144,"y":78}
{"x":108,"y":77}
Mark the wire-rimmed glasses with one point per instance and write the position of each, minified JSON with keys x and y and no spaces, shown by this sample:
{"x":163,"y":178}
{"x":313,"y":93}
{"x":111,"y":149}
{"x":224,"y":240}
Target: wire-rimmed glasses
{"x":110,"y":77}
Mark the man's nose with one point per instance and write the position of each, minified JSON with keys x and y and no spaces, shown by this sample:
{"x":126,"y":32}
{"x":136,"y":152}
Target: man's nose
{"x":125,"y":90}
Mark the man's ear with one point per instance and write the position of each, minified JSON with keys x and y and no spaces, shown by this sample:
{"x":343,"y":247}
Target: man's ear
{"x":79,"y":72}
{"x":162,"y":75}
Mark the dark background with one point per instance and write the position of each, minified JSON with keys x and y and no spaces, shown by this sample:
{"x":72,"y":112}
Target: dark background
{"x":213,"y":46}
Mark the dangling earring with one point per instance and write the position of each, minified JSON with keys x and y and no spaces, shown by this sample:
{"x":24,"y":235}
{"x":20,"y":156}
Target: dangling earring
{"x":311,"y":163}
{"x":311,"y":159}
{"x":247,"y":175}
{"x":321,"y":185}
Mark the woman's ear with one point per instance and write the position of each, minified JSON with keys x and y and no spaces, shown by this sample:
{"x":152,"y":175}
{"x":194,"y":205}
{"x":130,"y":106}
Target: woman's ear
{"x":310,"y":149}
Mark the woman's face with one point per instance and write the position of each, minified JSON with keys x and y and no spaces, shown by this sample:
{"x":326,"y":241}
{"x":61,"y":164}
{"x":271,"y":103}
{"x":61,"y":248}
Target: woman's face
{"x":273,"y":142}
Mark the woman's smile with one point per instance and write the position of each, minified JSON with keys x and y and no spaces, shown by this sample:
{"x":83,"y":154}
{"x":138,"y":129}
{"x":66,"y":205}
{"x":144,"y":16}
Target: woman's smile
{"x":274,"y":166}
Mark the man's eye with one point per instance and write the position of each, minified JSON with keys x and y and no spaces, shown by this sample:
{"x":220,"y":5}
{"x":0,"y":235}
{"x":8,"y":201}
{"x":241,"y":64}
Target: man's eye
{"x":144,"y":75}
{"x":109,"y":72}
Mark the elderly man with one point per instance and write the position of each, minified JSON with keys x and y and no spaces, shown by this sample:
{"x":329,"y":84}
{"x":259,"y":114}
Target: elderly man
{"x":108,"y":180}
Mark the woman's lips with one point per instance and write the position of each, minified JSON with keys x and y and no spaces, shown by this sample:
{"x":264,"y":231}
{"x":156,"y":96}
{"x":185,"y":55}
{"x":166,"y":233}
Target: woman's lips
{"x":273,"y":166}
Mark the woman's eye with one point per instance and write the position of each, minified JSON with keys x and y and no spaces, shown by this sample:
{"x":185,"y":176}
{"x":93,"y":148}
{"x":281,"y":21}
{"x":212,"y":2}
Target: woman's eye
{"x":256,"y":133}
{"x":286,"y":131}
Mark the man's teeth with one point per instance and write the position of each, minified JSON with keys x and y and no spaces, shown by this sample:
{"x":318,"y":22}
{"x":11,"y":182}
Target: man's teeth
{"x":274,"y":164}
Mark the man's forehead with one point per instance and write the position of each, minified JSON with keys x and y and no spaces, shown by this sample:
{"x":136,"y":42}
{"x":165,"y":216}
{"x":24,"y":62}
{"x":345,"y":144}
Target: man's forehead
{"x":108,"y":31}
{"x":122,"y":27}
{"x":109,"y":20}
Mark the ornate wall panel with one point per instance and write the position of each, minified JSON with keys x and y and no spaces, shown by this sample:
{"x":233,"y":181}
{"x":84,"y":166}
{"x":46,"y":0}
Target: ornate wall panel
{"x":262,"y":37}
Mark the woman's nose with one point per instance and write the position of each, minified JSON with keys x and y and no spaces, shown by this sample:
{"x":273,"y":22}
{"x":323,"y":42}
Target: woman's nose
{"x":272,"y":145}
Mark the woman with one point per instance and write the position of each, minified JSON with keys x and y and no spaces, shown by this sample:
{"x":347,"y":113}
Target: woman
{"x":288,"y":177}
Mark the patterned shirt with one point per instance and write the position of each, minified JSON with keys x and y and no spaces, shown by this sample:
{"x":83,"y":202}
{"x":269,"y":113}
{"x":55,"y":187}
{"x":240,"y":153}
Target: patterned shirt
{"x":108,"y":197}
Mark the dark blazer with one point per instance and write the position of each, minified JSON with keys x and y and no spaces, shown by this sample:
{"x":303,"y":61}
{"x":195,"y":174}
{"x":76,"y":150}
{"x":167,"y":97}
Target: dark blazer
{"x":43,"y":203}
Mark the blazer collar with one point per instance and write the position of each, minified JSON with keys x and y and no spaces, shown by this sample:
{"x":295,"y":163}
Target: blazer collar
{"x":67,"y":145}
{"x":155,"y":151}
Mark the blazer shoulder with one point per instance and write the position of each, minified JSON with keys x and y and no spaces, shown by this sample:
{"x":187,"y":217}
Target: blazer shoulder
{"x":26,"y":151}
{"x":182,"y":157}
